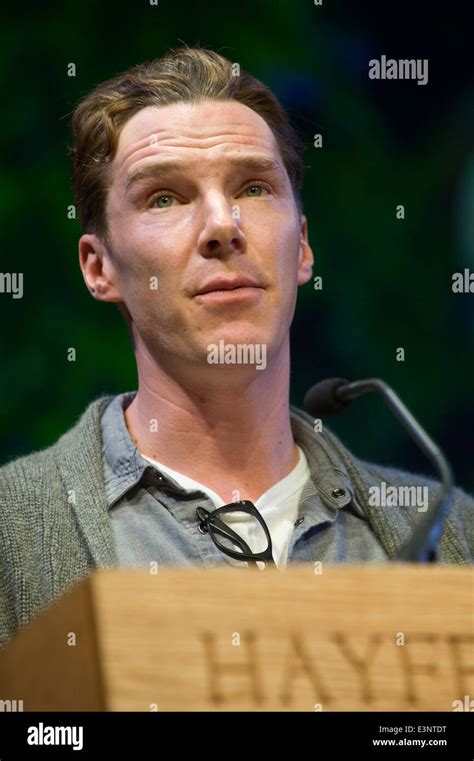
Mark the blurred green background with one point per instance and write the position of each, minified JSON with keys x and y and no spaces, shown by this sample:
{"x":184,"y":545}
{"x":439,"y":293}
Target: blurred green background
{"x":386,"y":282}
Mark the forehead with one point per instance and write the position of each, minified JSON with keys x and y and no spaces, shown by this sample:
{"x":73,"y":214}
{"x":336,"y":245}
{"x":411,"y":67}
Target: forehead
{"x":199,"y":129}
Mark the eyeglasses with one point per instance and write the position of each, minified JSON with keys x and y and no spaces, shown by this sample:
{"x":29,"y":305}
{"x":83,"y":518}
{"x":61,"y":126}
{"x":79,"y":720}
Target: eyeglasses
{"x":224,"y":537}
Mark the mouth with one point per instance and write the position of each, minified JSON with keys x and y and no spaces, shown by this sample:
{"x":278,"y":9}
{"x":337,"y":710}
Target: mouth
{"x":229,"y":295}
{"x":221,"y":283}
{"x":228,"y":289}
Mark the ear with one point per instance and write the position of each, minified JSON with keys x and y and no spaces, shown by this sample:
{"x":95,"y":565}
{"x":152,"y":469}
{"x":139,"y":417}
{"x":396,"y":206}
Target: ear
{"x":97,"y":269}
{"x":305,"y":256}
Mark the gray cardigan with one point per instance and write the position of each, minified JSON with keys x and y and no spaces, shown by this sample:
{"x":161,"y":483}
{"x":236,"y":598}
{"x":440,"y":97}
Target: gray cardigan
{"x":49,"y":540}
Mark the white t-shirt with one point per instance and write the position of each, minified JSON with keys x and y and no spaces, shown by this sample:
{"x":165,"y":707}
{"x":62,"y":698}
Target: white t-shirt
{"x":278,"y":507}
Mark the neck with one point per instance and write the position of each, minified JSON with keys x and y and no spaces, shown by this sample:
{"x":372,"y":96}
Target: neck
{"x":229,"y":428}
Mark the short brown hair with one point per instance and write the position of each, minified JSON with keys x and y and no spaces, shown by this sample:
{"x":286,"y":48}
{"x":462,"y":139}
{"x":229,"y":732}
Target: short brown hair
{"x":187,"y":75}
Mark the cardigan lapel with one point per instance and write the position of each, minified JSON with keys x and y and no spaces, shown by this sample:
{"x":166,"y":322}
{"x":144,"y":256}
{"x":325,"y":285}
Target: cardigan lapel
{"x":79,"y":458}
{"x":394,"y":527}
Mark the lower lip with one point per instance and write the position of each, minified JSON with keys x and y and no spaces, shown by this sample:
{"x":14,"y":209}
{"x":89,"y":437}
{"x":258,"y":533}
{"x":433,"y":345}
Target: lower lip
{"x":224,"y":297}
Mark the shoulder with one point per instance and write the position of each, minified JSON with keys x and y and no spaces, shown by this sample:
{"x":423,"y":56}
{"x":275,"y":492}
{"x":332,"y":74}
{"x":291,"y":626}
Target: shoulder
{"x":365,"y":474}
{"x":394,"y":499}
{"x":371,"y":474}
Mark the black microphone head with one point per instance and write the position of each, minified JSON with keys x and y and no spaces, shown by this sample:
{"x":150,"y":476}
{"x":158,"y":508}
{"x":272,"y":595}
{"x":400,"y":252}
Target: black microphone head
{"x":321,"y":400}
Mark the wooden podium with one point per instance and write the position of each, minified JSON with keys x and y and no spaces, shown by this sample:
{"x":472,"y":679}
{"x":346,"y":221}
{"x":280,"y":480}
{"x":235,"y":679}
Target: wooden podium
{"x":308,"y":638}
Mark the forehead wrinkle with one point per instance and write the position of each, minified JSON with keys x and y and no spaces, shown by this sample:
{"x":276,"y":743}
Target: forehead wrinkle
{"x":187,"y":141}
{"x":255,"y":135}
{"x":203,"y":119}
{"x":174,"y":129}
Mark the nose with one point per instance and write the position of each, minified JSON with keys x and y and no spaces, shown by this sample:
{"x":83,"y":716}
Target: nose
{"x":221,"y":232}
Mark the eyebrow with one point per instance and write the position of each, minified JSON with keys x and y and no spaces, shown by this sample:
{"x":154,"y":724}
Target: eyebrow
{"x":250,"y":162}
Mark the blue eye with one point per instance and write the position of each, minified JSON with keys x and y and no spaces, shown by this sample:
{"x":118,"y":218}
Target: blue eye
{"x":255,"y":187}
{"x":165,"y":199}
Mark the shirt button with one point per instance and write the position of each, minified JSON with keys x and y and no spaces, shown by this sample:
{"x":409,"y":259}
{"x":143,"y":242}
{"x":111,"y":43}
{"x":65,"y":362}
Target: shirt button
{"x":338,"y":492}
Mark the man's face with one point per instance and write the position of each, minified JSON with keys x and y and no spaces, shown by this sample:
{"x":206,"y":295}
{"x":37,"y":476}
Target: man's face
{"x":211,"y":215}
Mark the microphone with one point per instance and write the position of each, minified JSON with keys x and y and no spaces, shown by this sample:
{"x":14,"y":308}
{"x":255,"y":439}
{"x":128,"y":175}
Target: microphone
{"x":334,"y":395}
{"x":323,"y":400}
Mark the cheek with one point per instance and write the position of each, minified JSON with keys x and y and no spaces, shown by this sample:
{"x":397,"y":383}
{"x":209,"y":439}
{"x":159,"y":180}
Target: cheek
{"x":286,"y":248}
{"x":140,"y":264}
{"x":272,"y":230}
{"x":149,"y":281}
{"x":286,"y":273}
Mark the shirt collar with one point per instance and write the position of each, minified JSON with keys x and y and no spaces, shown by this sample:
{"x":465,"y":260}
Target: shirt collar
{"x":124,"y":466}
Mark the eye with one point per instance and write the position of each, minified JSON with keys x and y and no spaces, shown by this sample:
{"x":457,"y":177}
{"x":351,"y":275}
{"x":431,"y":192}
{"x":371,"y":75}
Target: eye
{"x":164,"y":199}
{"x":256,"y":189}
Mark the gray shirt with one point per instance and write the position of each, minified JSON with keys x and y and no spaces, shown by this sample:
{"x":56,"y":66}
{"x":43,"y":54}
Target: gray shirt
{"x":154,"y":519}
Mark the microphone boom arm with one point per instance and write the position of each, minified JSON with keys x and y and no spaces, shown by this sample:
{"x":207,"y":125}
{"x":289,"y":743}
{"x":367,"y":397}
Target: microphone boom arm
{"x":422,"y":545}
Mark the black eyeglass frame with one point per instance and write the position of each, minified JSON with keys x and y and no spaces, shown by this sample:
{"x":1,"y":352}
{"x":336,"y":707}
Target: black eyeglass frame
{"x":212,"y":524}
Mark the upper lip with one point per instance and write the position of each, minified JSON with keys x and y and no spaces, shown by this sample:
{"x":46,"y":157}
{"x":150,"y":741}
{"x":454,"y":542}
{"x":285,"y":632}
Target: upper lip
{"x":227,"y":284}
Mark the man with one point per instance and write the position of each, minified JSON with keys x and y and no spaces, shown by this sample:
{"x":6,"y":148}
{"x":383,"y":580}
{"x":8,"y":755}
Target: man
{"x":187,"y":176}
